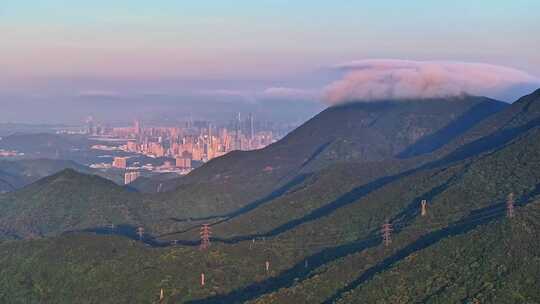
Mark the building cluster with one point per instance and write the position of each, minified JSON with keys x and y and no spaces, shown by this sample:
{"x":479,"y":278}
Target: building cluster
{"x":131,"y":176}
{"x":181,"y":147}
{"x":120,"y":162}
{"x":9,"y":153}
{"x":192,"y":143}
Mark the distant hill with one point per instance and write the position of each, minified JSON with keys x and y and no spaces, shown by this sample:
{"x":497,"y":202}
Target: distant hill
{"x":18,"y":173}
{"x":345,"y":183}
{"x":359,"y":132}
{"x":461,"y":196}
{"x":67,"y":200}
{"x":51,"y":146}
{"x":162,"y":182}
{"x":9,"y":182}
{"x":42,"y":143}
{"x":369,"y":135}
{"x":321,"y":238}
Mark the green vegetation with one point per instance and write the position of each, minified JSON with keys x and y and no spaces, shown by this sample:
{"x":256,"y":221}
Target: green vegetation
{"x":319,"y":228}
{"x":496,"y":263}
{"x":356,"y":132}
{"x":63,"y":202}
{"x":472,"y":186}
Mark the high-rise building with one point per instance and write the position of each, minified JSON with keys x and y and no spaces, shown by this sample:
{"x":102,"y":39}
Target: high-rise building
{"x":157,"y":149}
{"x":251,"y":127}
{"x":137,"y":127}
{"x":131,"y":176}
{"x":120,"y":162}
{"x":90,"y":130}
{"x":132,"y":146}
{"x":183,"y":162}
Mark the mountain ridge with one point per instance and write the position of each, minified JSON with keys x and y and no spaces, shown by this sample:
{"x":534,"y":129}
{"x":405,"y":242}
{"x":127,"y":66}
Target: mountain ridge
{"x":321,"y":237}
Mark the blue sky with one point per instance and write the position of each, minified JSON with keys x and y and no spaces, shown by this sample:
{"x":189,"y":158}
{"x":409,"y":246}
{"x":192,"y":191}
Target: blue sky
{"x":105,"y":45}
{"x":319,"y":32}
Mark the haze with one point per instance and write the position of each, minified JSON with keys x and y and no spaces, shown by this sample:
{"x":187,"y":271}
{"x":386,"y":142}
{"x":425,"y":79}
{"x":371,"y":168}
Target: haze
{"x":121,"y":60}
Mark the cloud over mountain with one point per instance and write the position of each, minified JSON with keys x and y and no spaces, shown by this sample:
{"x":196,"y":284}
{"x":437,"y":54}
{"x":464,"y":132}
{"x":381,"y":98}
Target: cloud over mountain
{"x":384,"y":79}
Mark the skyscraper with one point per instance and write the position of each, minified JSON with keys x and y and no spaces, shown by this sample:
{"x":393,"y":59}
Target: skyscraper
{"x":131,"y":176}
{"x":137,"y":127}
{"x":120,"y":162}
{"x":251,"y":127}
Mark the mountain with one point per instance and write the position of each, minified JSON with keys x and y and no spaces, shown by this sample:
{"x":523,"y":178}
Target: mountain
{"x":67,"y":200}
{"x":495,"y":263}
{"x":10,"y":182}
{"x":462,"y":197}
{"x":19,"y":173}
{"x":341,"y":185}
{"x":355,"y":132}
{"x":161,"y":182}
{"x":367,"y":137}
{"x":52,"y":146}
{"x":47,"y":144}
{"x":322,"y":237}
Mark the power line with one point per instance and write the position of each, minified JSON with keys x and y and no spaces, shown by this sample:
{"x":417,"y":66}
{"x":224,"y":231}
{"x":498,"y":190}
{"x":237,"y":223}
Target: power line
{"x":387,"y":233}
{"x":205,"y":234}
{"x":510,"y":205}
{"x":140,"y":232}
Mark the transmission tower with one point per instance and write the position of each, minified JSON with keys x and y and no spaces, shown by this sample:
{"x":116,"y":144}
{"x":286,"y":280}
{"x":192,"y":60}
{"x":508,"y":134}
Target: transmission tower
{"x":510,"y":205}
{"x":140,"y":233}
{"x":161,"y":296}
{"x":267,"y":266}
{"x":387,"y":233}
{"x":424,"y":207}
{"x":205,"y":233}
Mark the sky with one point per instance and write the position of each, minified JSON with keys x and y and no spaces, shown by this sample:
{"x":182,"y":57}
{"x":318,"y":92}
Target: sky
{"x":67,"y":58}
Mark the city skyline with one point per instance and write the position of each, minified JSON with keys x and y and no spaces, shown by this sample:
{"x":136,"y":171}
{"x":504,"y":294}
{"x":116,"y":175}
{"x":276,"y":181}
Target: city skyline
{"x":177,"y":149}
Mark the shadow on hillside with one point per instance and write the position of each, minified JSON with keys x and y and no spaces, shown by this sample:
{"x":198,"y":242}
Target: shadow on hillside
{"x":300,"y":272}
{"x":491,"y":143}
{"x":474,"y":219}
{"x":459,"y":126}
{"x":423,"y":242}
{"x":130,"y":232}
{"x":8,"y":184}
{"x":251,"y":206}
{"x":293,"y":274}
{"x":477,"y":217}
{"x":487,"y":143}
{"x":317,"y":152}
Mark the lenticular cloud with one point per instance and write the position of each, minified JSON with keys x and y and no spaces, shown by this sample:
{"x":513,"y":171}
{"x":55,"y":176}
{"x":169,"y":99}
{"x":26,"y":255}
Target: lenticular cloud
{"x":381,"y":79}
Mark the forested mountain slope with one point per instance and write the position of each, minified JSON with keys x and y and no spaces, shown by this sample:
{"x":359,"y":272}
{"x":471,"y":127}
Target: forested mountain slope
{"x":324,"y":245}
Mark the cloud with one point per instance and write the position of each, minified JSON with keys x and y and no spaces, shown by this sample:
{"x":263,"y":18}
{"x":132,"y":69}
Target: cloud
{"x":285,"y":93}
{"x":388,"y":79}
{"x":100,"y":94}
{"x":270,"y":93}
